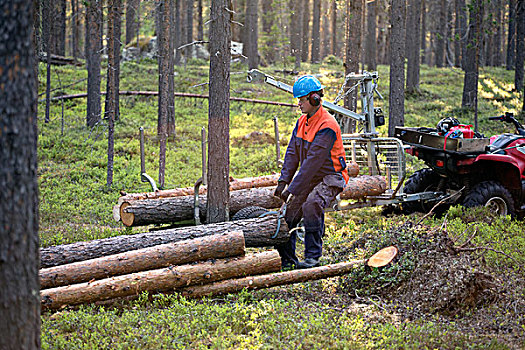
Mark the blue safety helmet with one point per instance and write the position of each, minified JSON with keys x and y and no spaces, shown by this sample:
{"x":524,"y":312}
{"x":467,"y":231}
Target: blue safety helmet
{"x":305,"y":85}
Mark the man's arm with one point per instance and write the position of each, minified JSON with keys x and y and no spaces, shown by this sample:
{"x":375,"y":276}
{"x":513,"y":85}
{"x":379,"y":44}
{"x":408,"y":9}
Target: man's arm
{"x":317,"y":154}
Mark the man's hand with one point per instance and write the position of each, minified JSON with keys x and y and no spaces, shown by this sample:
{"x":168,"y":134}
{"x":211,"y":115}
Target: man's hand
{"x":285,"y":195}
{"x":280,"y":188}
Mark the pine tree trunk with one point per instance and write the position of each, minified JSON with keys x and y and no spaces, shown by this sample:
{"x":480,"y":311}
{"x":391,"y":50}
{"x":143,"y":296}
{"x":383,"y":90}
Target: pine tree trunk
{"x":200,"y":23}
{"x":371,"y":41}
{"x":257,"y":232}
{"x":189,"y":28}
{"x":412,"y":45}
{"x":228,"y":244}
{"x":93,"y":48}
{"x":219,"y":113}
{"x":163,"y":40}
{"x":325,"y":48}
{"x":177,"y":38}
{"x":333,"y":16}
{"x":470,"y":84}
{"x":441,"y":34}
{"x":497,"y":61}
{"x":397,"y":67}
{"x":296,"y":31}
{"x":268,"y":19}
{"x":252,"y":33}
{"x":423,"y":41}
{"x":511,"y":36}
{"x":305,"y":38}
{"x":316,"y":33}
{"x":354,"y":25}
{"x":131,"y":20}
{"x":457,"y":35}
{"x":19,"y":305}
{"x":161,"y":280}
{"x":520,"y":45}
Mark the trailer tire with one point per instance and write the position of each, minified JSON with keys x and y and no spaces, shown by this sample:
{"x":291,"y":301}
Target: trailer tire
{"x":490,"y":194}
{"x":249,"y":213}
{"x":421,"y":181}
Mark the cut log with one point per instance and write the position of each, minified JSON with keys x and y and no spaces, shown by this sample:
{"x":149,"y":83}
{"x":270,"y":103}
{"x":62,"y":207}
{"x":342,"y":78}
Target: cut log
{"x":216,"y":246}
{"x":269,"y":280}
{"x":175,"y":209}
{"x":235,"y":184}
{"x":160,"y":280}
{"x":364,"y":185}
{"x":257,"y":233}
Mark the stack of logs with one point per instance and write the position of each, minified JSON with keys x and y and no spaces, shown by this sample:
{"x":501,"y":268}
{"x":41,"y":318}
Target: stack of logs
{"x":169,"y":206}
{"x":193,"y":263}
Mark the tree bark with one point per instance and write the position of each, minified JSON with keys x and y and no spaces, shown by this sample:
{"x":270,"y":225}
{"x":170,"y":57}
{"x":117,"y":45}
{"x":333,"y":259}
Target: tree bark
{"x":200,"y":22}
{"x":161,"y":280}
{"x":19,"y":306}
{"x":325,"y":47}
{"x":131,"y":20}
{"x":176,"y":209}
{"x":520,"y":45}
{"x":93,"y":47}
{"x":257,"y":233}
{"x":497,"y":47}
{"x":269,"y":280}
{"x":397,"y":66}
{"x":511,"y":36}
{"x":354,"y":24}
{"x":189,"y":28}
{"x":423,"y":41}
{"x":112,"y":87}
{"x":470,"y":84}
{"x":412,"y":45}
{"x":333,"y":16}
{"x":441,"y":34}
{"x":364,"y":185}
{"x":463,"y":35}
{"x":371,"y":42}
{"x":228,"y":244}
{"x":296,"y":31}
{"x":316,"y":33}
{"x":305,"y":38}
{"x":219,"y":113}
{"x":252,"y":33}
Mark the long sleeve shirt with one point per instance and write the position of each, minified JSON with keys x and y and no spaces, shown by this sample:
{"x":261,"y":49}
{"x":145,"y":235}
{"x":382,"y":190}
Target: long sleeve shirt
{"x":317,"y":147}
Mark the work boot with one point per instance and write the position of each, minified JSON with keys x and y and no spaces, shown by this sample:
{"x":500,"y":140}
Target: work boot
{"x":308,"y":263}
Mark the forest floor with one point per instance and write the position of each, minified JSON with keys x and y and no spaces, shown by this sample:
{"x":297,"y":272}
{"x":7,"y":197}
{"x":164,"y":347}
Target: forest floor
{"x":458,"y":280}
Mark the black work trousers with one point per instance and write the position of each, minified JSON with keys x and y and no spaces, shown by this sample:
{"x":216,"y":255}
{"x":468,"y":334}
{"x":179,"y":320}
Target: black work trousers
{"x":310,"y":207}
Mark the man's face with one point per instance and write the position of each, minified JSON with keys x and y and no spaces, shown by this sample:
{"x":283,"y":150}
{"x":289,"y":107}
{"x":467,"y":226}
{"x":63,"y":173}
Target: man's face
{"x":305,"y":106}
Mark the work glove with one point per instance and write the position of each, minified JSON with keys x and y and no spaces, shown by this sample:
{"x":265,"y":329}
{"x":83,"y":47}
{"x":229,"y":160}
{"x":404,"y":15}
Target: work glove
{"x":285,"y":195}
{"x":280,"y":188}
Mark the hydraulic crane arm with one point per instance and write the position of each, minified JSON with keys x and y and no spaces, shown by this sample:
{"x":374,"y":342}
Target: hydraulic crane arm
{"x":257,"y":76}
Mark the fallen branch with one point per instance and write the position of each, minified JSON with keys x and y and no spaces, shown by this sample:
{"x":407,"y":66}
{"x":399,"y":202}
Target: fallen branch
{"x":177,"y":94}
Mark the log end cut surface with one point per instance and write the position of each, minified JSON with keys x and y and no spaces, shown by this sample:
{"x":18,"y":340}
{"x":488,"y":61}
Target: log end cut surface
{"x":127,"y":218}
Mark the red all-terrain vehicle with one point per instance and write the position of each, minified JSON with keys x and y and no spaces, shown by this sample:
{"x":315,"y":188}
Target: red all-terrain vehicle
{"x":469,"y":169}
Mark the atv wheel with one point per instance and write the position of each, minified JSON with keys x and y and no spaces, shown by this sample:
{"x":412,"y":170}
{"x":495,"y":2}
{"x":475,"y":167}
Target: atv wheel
{"x":493,"y":195}
{"x":249,"y":213}
{"x":423,"y":180}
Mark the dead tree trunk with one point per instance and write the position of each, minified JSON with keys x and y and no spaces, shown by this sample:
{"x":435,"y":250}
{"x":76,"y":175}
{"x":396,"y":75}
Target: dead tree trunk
{"x":169,"y":210}
{"x":161,"y":280}
{"x":270,"y":280}
{"x":257,"y":233}
{"x":224,"y":245}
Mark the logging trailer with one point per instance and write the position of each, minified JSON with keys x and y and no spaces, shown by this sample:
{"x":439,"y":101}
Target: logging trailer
{"x":375,"y":155}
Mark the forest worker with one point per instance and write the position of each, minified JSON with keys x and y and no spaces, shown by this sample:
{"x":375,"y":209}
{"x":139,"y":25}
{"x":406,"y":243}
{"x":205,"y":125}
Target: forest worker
{"x":316,"y":146}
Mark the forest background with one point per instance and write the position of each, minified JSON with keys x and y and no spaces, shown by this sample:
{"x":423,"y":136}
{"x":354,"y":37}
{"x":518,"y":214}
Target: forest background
{"x":88,"y":151}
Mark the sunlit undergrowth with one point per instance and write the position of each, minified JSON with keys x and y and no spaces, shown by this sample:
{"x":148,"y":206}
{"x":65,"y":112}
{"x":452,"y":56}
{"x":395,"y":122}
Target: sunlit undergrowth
{"x":76,"y":205}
